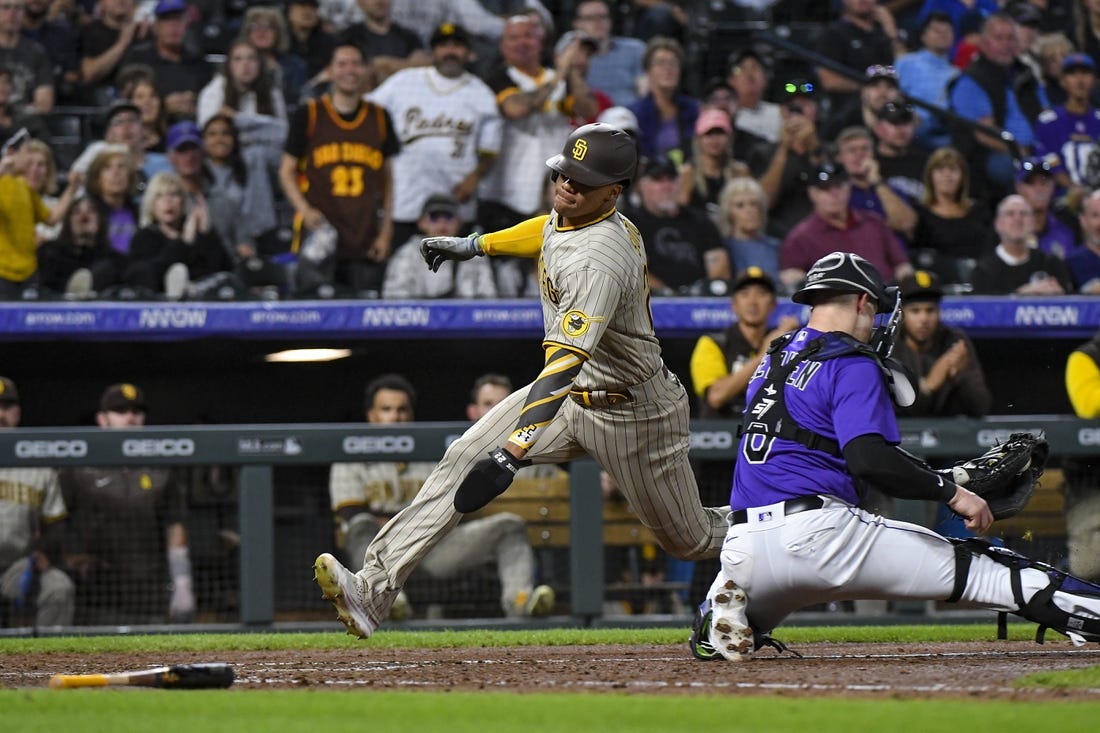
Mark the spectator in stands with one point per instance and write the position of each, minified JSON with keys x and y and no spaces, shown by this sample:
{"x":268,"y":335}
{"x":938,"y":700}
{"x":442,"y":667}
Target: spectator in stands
{"x":834,"y":226}
{"x":1035,"y":182}
{"x":406,"y":275}
{"x":1070,"y":131}
{"x":953,"y":230}
{"x":962,"y":14}
{"x":176,"y":250}
{"x":308,"y":38}
{"x":942,"y":358}
{"x":999,"y":91}
{"x":34,"y":515}
{"x":366,"y":495}
{"x":265,"y":28}
{"x":471,"y":127}
{"x":683,"y":247}
{"x":387,"y":46}
{"x":21,"y":208}
{"x":713,"y":162}
{"x":102,"y":43}
{"x":12,"y":118}
{"x":791,"y":163}
{"x":717,"y":93}
{"x":880,"y":85}
{"x":864,"y":35}
{"x":925,"y":74}
{"x":137,"y":83}
{"x":224,"y":178}
{"x":869,"y":190}
{"x":58,"y":40}
{"x":1087,"y":28}
{"x":40,"y":172}
{"x":1082,"y":472}
{"x":536,"y":104}
{"x":1084,"y":262}
{"x":481,"y":22}
{"x":1015,"y":266}
{"x":125,"y":522}
{"x":30,"y":67}
{"x":666,"y":115}
{"x":616,"y":66}
{"x":179,"y":74}
{"x":123,"y":128}
{"x":572,"y":55}
{"x":722,"y":362}
{"x":80,"y":263}
{"x":748,"y":78}
{"x":349,"y":192}
{"x":1050,"y":51}
{"x":111,"y":182}
{"x":242,"y":92}
{"x":488,"y":390}
{"x":901,"y":163}
{"x":743,"y":220}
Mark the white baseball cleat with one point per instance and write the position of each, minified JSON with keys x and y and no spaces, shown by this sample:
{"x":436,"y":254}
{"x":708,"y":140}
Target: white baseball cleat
{"x":730,"y":633}
{"x":345,"y":589}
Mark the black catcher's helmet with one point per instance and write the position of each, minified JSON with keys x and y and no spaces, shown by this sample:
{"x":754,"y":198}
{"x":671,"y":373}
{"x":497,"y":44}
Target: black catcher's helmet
{"x":596,"y":155}
{"x":844,"y":272}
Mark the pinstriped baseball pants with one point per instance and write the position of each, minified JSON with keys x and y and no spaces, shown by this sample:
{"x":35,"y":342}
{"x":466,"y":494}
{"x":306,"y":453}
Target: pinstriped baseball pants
{"x":642,"y":444}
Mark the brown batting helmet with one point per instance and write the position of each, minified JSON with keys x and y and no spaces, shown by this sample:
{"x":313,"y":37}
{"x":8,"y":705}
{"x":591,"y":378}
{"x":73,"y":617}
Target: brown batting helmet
{"x":596,"y":155}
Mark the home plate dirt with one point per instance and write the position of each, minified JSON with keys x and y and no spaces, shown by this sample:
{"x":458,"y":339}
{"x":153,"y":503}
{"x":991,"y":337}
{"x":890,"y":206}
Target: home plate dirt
{"x":986,"y":670}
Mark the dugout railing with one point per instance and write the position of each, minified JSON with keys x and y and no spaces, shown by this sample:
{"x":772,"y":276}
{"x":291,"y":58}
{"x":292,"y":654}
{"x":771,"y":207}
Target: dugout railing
{"x":257,"y":449}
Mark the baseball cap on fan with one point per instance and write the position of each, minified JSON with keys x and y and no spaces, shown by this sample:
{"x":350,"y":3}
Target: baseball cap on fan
{"x":122,"y":397}
{"x":9,"y":394}
{"x":440,"y":203}
{"x":920,"y":287}
{"x":169,"y":7}
{"x":182,"y":133}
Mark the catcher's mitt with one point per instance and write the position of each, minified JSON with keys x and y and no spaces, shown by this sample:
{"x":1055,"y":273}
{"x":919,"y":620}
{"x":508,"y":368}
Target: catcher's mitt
{"x":1006,"y":474}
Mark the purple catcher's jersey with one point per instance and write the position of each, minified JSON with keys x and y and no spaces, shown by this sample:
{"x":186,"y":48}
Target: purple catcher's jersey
{"x":840,"y":398}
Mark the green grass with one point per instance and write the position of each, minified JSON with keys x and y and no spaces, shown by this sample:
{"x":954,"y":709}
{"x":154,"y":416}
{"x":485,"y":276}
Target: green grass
{"x":332,"y":712}
{"x":388,"y":639}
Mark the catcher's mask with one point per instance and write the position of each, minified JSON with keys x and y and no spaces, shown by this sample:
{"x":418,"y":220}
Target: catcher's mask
{"x":597,"y":155}
{"x":844,"y":272}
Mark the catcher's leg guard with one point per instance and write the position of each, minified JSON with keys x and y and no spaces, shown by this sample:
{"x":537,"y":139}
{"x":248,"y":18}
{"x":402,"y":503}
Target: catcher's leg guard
{"x":1041,"y":607}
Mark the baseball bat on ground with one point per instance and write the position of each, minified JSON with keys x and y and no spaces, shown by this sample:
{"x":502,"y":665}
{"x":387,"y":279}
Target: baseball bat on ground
{"x":177,"y":677}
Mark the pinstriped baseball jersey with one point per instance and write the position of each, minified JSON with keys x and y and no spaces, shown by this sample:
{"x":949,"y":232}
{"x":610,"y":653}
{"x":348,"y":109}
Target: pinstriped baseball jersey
{"x":595,"y":300}
{"x":383,"y":488}
{"x":27,"y":496}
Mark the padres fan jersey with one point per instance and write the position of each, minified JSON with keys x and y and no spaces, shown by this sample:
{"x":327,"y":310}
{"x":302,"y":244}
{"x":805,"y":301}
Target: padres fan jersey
{"x":382,"y":488}
{"x":595,"y":299}
{"x":28,"y":496}
{"x":443,"y":125}
{"x":829,"y":397}
{"x":340,"y":161}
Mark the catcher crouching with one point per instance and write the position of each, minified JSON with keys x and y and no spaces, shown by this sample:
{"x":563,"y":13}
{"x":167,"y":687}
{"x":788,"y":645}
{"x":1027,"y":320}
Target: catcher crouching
{"x":819,"y":426}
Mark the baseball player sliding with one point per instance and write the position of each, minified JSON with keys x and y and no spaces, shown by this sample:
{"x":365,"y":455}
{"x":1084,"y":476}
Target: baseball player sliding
{"x":603,"y":390}
{"x":818,"y":427}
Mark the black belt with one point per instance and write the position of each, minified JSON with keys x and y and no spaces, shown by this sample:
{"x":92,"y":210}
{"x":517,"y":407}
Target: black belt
{"x":790,"y":506}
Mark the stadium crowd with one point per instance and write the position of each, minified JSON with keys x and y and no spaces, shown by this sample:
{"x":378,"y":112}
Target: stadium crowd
{"x":234,"y":150}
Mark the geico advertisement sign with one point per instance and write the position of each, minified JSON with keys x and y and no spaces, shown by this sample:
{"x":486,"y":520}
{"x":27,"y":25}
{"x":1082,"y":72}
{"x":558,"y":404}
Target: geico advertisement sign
{"x":360,"y":444}
{"x":153,"y":447}
{"x":51,"y":449}
{"x":712,"y":440}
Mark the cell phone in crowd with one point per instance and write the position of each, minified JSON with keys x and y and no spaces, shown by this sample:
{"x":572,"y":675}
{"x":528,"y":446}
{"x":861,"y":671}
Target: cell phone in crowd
{"x":15,"y":141}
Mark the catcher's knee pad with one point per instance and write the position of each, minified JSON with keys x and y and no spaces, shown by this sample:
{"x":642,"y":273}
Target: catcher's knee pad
{"x":1040,"y":608}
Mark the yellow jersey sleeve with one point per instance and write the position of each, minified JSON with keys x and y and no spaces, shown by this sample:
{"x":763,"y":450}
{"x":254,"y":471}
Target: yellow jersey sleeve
{"x":708,"y":365}
{"x":522,"y":240}
{"x":1083,"y":385}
